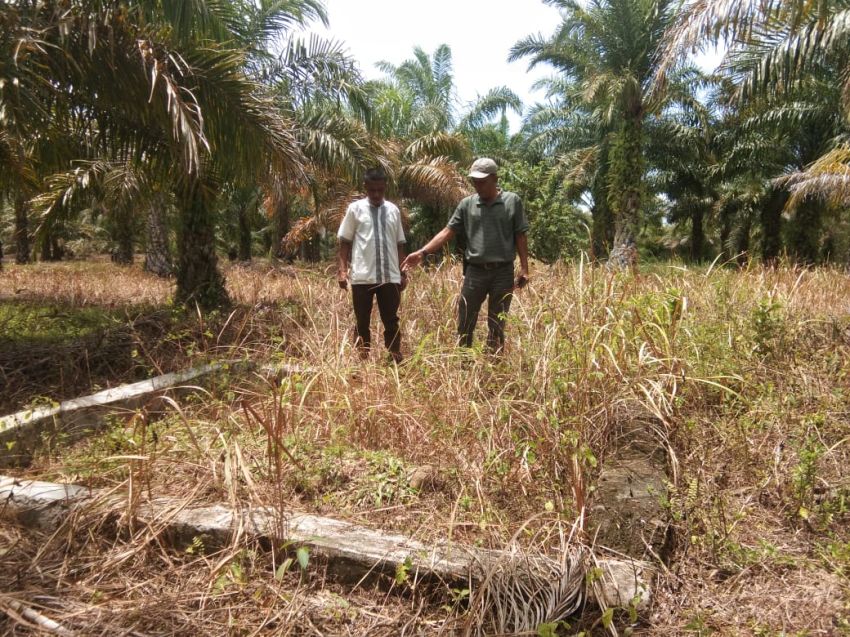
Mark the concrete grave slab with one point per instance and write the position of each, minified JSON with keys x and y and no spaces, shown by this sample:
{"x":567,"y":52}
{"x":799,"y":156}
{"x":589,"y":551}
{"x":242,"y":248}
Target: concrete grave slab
{"x":25,"y":431}
{"x":627,"y":512}
{"x":359,"y":549}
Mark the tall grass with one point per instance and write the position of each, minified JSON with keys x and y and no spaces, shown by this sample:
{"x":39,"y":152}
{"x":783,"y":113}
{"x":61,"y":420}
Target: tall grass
{"x":741,"y":376}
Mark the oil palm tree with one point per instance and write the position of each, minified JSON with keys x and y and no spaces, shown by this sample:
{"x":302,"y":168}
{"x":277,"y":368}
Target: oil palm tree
{"x":777,"y":46}
{"x":565,"y":132}
{"x":318,"y":86}
{"x":424,"y":119}
{"x":171,"y":101}
{"x":685,"y":158}
{"x":427,"y":83}
{"x":607,"y":50}
{"x":785,"y":73}
{"x":415,"y":129}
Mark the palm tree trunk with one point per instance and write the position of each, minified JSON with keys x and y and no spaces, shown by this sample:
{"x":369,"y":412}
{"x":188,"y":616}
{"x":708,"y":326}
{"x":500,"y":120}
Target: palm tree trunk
{"x":158,"y":256}
{"x":311,"y":250}
{"x":625,"y":192}
{"x":602,"y":229}
{"x":697,"y":234}
{"x":741,"y":241}
{"x":281,"y":226}
{"x":22,"y":239}
{"x":244,"y":233}
{"x":805,"y":236}
{"x":771,"y":226}
{"x":727,"y":218}
{"x":198,"y":279}
{"x":122,"y":253}
{"x":46,"y":254}
{"x":51,"y":249}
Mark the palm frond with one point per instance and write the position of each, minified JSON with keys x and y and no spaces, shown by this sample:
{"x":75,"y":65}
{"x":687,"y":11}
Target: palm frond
{"x":316,"y":68}
{"x":497,"y":101}
{"x":522,"y":592}
{"x":193,"y":19}
{"x":265,"y":20}
{"x":578,"y":167}
{"x":16,"y":169}
{"x":436,"y":181}
{"x":827,"y":178}
{"x":326,"y":219}
{"x":336,"y":142}
{"x":794,"y":32}
{"x":435,"y":144}
{"x":116,"y":187}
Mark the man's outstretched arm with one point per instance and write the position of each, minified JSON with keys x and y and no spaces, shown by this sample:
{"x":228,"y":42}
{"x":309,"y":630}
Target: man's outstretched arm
{"x":440,"y":239}
{"x":402,"y":255}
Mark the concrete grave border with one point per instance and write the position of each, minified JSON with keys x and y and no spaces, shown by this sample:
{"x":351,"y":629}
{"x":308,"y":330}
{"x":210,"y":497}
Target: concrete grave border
{"x":23,"y":432}
{"x":358,"y":549}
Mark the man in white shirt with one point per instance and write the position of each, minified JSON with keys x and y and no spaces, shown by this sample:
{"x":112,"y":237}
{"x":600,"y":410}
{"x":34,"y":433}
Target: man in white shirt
{"x":371,"y":246}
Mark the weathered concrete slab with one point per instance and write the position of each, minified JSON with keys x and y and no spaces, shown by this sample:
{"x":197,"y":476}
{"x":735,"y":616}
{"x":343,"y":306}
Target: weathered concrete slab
{"x":42,"y":505}
{"x":627,"y":512}
{"x":46,"y":505}
{"x":623,"y":583}
{"x":22,"y":433}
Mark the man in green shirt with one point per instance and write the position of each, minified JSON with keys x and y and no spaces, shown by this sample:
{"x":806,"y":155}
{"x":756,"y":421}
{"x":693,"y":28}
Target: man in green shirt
{"x":494,"y":225}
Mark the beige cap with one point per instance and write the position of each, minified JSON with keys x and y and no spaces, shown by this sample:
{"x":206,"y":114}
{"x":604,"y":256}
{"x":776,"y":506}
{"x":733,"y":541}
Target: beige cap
{"x":483,"y":167}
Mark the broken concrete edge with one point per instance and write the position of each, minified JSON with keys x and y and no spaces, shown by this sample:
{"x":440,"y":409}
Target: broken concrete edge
{"x":140,"y":388}
{"x":115,"y":395}
{"x":622,"y":583}
{"x":46,"y":505}
{"x":31,"y":615}
{"x":21,"y":433}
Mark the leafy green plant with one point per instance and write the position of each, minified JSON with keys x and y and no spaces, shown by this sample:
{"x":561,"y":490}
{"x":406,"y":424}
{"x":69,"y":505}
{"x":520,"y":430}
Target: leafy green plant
{"x":551,"y":629}
{"x":402,"y":571}
{"x":804,"y":475}
{"x":766,"y":321}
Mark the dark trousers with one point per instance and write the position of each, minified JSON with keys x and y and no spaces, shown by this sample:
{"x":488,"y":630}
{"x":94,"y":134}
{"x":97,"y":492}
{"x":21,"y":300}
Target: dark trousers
{"x":389,"y":299}
{"x":496,"y":284}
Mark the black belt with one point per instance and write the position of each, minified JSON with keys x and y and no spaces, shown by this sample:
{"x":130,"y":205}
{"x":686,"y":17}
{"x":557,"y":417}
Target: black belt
{"x":495,"y":265}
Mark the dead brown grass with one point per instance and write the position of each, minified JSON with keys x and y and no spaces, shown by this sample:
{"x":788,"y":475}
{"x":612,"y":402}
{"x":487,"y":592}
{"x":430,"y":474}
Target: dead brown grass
{"x":90,"y":585}
{"x":742,"y":374}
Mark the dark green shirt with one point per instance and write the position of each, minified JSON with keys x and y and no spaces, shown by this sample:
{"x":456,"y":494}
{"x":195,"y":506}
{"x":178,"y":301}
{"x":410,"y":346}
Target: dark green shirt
{"x":490,"y":231}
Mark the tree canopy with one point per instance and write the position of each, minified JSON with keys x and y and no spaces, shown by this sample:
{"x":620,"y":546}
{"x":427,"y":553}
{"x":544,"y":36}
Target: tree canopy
{"x":213,"y":128}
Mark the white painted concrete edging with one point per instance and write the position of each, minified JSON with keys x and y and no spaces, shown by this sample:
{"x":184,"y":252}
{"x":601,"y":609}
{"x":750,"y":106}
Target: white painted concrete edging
{"x":46,"y":505}
{"x":22,"y":432}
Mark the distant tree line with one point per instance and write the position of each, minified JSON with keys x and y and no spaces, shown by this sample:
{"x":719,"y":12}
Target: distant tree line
{"x":199,"y":130}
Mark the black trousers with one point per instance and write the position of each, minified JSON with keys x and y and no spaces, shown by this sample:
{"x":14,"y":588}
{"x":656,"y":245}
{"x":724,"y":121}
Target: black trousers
{"x":389,"y":299}
{"x":496,"y":284}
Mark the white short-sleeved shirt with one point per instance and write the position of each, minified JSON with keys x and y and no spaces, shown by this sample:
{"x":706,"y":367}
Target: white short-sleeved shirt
{"x":374,"y":233}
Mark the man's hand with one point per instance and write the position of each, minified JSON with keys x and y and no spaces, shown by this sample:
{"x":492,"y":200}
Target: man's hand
{"x":342,"y":279}
{"x":521,"y":280}
{"x":413,"y":259}
{"x":403,"y":281}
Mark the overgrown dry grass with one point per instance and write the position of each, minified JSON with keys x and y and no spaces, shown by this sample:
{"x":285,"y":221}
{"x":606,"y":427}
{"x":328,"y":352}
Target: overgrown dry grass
{"x":91,"y":585}
{"x":742,"y":375}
